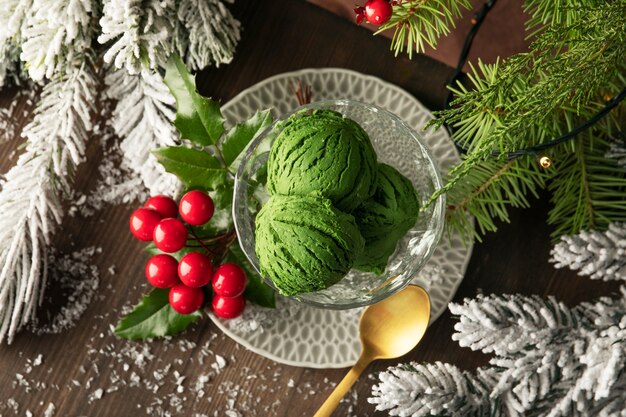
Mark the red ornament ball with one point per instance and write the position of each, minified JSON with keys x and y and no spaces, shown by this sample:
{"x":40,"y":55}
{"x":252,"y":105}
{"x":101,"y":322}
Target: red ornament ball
{"x":166,"y":206}
{"x":185,"y":300}
{"x":196,"y":208}
{"x":195,"y":269}
{"x":170,"y":235}
{"x":229,"y":280}
{"x":378,"y":12}
{"x":228,"y":307}
{"x":162,"y":271}
{"x":142,"y":223}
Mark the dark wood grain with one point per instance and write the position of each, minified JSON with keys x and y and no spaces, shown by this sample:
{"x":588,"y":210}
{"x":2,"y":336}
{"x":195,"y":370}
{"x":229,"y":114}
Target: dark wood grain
{"x":285,"y":36}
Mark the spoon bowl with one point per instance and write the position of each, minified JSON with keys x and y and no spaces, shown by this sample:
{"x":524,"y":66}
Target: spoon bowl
{"x":388,"y":329}
{"x":393,"y":327}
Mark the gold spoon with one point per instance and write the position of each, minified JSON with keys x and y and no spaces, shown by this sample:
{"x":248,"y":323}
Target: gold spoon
{"x":389,"y":329}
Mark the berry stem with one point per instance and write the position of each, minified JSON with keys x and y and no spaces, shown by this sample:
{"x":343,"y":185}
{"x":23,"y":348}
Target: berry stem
{"x":201,"y":242}
{"x":213,"y":239}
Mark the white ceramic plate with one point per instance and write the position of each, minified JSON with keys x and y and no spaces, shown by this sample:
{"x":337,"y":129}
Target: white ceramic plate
{"x":300,"y":335}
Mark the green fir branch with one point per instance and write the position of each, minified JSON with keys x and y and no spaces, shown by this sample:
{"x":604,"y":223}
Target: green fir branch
{"x":549,"y":12}
{"x":588,"y":189}
{"x":418,"y":23}
{"x":488,"y":193}
{"x":572,"y":68}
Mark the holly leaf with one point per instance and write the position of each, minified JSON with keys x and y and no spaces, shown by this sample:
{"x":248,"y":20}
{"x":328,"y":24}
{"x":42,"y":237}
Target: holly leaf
{"x":237,"y":138}
{"x":195,"y":168}
{"x":222,"y":220}
{"x":152,"y":250}
{"x":198,"y":118}
{"x":256,"y":291}
{"x":154,"y":317}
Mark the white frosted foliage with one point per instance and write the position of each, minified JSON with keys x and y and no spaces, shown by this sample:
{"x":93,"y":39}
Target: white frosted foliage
{"x":56,"y":35}
{"x":209,"y":33}
{"x":429,"y":389}
{"x":9,"y":58}
{"x":139,"y":32}
{"x":562,"y":362}
{"x":599,"y":255}
{"x":30,"y":197}
{"x":143,"y":117}
{"x":12,"y":15}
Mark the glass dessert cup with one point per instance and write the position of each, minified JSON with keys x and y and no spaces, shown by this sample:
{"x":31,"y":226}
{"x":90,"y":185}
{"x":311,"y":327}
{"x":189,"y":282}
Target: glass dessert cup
{"x":395,"y":144}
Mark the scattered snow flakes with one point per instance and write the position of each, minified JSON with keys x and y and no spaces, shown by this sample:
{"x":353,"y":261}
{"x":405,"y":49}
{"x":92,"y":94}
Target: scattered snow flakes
{"x":75,"y":275}
{"x":219,"y":364}
{"x":179,"y":379}
{"x":50,"y":410}
{"x":13,"y":405}
{"x":22,"y":382}
{"x":198,"y":388}
{"x":96,"y":395}
{"x":38,"y":360}
{"x":184,"y":345}
{"x":113,"y":367}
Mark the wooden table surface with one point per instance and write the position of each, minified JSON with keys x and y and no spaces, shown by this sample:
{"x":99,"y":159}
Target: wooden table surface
{"x":87,"y":371}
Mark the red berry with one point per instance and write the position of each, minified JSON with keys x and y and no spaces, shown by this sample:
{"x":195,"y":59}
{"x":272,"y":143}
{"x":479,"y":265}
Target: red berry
{"x":186,"y":300}
{"x":378,"y":12}
{"x":143,"y":222}
{"x":360,"y":14}
{"x":195,"y":269}
{"x":229,"y":280}
{"x":228,"y":307}
{"x":165,"y":205}
{"x":162,"y":271}
{"x":170,"y":235}
{"x":196,"y":208}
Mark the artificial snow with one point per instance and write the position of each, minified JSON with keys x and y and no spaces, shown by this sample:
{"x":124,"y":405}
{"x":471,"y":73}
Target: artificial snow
{"x":74,"y":274}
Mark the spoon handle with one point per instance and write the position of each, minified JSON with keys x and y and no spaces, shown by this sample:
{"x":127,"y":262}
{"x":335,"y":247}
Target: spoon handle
{"x":344,"y":386}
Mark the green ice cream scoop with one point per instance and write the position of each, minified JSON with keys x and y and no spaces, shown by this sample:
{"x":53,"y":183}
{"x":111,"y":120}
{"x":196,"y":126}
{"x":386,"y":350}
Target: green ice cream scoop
{"x":385,"y":218}
{"x":304,"y":244}
{"x":323,"y":152}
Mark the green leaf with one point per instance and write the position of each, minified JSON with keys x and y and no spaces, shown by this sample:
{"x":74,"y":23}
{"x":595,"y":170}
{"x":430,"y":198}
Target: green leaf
{"x":240,"y":136}
{"x":198,"y":118}
{"x":154,"y":317}
{"x":256,"y":291}
{"x":222,"y":220}
{"x":152,"y":250}
{"x":195,"y":168}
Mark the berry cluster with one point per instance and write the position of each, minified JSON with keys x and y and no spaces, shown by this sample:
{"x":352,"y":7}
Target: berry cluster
{"x":375,"y":12}
{"x":157,"y":221}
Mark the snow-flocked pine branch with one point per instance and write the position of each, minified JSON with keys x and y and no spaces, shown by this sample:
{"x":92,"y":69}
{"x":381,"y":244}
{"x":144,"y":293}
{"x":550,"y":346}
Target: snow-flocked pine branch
{"x":206,"y":34}
{"x":599,"y":255}
{"x":432,"y":389}
{"x":491,"y":324}
{"x":142,"y":117}
{"x":139,"y":32}
{"x":12,"y":16}
{"x":576,"y":367}
{"x":56,"y":35}
{"x":9,"y":63}
{"x":30,"y":197}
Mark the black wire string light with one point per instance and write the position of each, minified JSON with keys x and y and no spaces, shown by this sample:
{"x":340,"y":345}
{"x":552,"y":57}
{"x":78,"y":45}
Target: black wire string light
{"x":533,"y":151}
